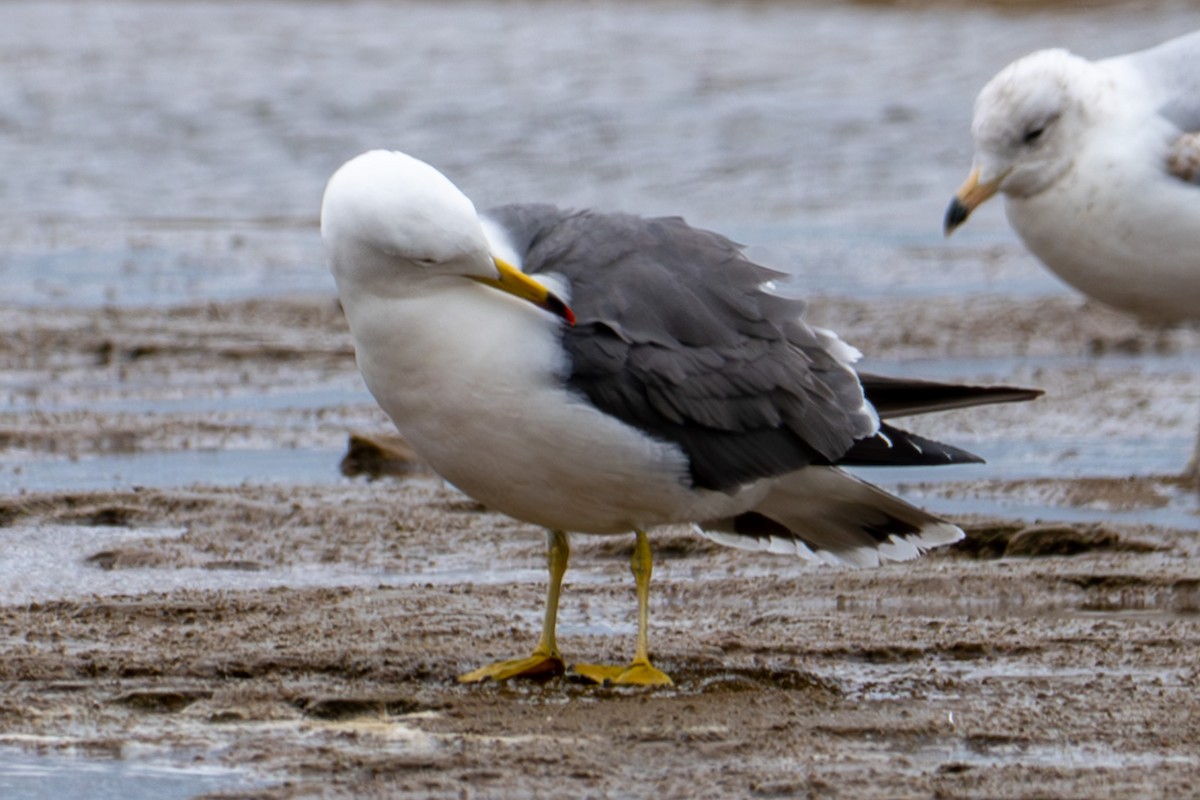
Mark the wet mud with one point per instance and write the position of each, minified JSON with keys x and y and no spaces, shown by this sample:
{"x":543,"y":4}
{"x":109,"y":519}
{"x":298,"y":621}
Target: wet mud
{"x":308,"y":633}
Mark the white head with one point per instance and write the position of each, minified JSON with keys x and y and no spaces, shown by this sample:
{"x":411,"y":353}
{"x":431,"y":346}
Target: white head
{"x":1028,"y":125}
{"x":386,"y":213}
{"x":392,"y":224}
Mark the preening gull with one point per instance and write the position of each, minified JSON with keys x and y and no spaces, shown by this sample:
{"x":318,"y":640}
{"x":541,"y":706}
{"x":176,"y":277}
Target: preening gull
{"x":1099,"y":165}
{"x":607,"y":374}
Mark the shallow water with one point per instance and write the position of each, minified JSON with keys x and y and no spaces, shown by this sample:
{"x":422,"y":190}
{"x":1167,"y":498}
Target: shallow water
{"x":1005,"y":461}
{"x":178,"y":468}
{"x":34,"y":776}
{"x":158,"y":153}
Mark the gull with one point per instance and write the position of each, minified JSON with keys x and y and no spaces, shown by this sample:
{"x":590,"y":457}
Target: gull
{"x":1099,"y":165}
{"x":608,"y":374}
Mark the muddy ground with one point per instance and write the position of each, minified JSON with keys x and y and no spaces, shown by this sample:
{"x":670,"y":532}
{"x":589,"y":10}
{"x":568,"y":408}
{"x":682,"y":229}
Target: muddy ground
{"x":308,"y":634}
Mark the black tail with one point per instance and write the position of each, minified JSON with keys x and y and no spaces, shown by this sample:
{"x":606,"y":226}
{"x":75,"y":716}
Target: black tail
{"x":892,"y":447}
{"x":902,"y":397}
{"x":899,"y":397}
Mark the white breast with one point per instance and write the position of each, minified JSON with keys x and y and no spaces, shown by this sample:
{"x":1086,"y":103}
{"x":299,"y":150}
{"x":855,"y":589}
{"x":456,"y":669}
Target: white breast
{"x":1120,"y":229}
{"x":475,"y":381}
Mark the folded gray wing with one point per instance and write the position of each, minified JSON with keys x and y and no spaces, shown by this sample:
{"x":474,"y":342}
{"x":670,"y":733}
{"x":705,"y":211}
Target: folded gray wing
{"x":1171,"y":73}
{"x":676,"y":336}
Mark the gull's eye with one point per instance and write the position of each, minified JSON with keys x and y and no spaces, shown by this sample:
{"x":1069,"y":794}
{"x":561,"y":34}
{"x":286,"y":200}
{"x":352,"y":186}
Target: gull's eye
{"x":1033,"y":133}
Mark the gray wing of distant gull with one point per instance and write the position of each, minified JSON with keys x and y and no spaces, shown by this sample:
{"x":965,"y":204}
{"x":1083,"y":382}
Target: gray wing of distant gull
{"x":676,"y":336}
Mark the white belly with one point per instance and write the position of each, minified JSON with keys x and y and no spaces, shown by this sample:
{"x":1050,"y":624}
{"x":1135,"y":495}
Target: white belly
{"x":1131,"y":239}
{"x":476,"y":386}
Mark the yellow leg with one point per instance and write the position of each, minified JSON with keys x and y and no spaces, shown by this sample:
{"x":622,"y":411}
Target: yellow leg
{"x":1192,"y":471}
{"x":639,"y":672}
{"x":545,"y":662}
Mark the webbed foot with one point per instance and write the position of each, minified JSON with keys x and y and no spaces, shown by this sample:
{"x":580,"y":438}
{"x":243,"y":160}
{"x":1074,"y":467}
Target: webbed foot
{"x":639,"y":673}
{"x":538,"y":666}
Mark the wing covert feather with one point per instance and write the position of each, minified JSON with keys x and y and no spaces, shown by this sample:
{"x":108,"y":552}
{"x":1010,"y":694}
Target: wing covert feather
{"x":676,"y":336}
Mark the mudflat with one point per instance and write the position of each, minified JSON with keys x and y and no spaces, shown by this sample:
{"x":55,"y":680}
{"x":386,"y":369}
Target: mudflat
{"x":307,"y":632}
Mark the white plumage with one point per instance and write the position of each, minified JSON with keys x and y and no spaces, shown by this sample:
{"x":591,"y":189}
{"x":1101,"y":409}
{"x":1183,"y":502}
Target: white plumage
{"x":1099,"y":165}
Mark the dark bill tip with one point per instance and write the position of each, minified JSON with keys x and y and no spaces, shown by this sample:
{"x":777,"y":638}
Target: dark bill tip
{"x":956,"y":215}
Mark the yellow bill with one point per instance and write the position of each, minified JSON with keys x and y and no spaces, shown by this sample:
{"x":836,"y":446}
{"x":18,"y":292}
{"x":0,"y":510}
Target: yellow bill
{"x":518,"y":284}
{"x":969,"y":196}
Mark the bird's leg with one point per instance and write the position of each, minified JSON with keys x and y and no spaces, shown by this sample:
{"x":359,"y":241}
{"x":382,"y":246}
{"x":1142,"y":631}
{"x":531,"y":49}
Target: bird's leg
{"x":1191,"y":473}
{"x":545,"y":662}
{"x":639,"y":672}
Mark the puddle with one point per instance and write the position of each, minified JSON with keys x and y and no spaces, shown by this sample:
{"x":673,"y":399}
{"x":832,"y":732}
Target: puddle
{"x":180,"y":267}
{"x":1185,"y":516}
{"x":1155,"y":498}
{"x":50,"y":562}
{"x":941,"y":490}
{"x":178,"y":468}
{"x":191,"y":400}
{"x":1171,"y":360}
{"x":1045,"y":457}
{"x":959,"y":753}
{"x":977,"y":489}
{"x":979,"y":752}
{"x":946,"y":681}
{"x":31,"y":776}
{"x":43,"y":562}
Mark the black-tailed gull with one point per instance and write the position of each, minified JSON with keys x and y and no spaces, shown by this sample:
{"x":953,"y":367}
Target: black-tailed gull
{"x":670,"y":387}
{"x":1099,"y":165}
